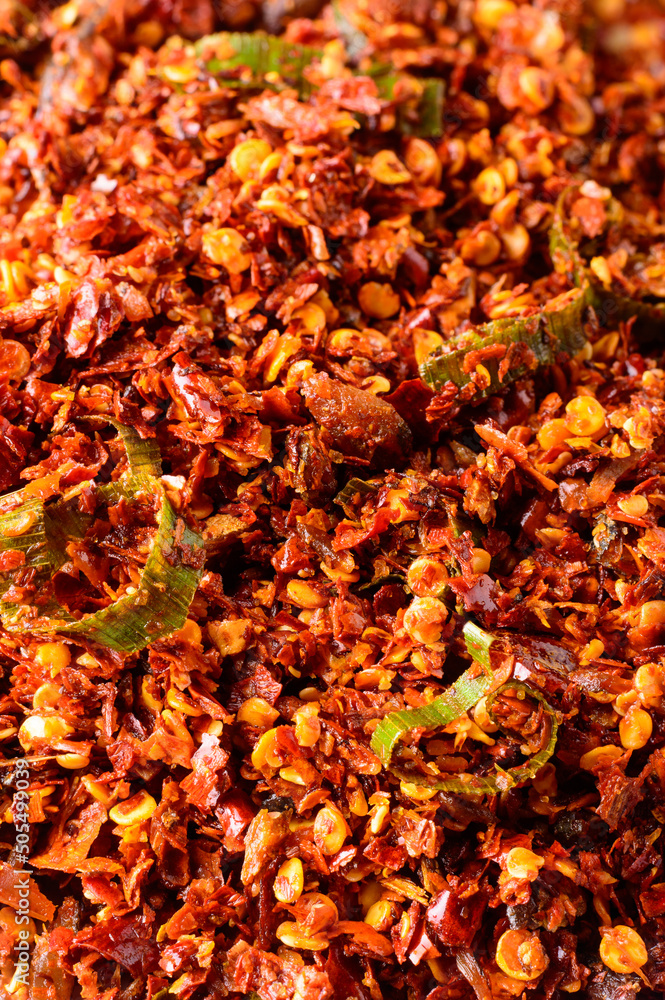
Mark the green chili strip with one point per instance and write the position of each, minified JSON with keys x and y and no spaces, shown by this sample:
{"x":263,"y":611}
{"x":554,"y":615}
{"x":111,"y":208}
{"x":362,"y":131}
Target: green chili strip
{"x":43,"y":530}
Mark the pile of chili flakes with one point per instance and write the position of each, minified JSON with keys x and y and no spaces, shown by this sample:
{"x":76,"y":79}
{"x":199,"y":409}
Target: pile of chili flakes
{"x":252,"y":279}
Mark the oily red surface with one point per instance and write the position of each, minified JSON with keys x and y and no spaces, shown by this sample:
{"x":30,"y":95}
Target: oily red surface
{"x":112,"y":175}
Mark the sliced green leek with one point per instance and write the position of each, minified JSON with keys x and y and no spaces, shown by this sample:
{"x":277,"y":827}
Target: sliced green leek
{"x":254,"y":59}
{"x":41,"y":532}
{"x":502,"y":780}
{"x":355,"y":40}
{"x":143,"y":454}
{"x":354,"y":488}
{"x":558,"y":329}
{"x":466,"y":692}
{"x":610,"y":305}
{"x":258,"y":61}
{"x":428,"y":117}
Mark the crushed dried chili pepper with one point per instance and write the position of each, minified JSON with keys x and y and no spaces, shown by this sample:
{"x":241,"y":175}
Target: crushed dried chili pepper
{"x":332,"y":462}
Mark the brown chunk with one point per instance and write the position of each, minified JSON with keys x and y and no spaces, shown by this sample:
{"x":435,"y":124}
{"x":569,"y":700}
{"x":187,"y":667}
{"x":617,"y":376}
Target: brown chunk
{"x":361,"y":425}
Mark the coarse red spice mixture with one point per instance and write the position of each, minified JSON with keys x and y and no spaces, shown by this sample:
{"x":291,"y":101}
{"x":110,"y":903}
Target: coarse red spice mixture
{"x":332,"y":499}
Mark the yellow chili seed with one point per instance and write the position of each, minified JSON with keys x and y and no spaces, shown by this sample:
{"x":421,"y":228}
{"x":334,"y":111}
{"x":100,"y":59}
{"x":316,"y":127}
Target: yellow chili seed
{"x":419,"y":793}
{"x":246,"y":158}
{"x":482,"y":719}
{"x":381,"y":915}
{"x":438,"y":969}
{"x":516,"y":241}
{"x":489,"y":13}
{"x":601,"y":269}
{"x":635,"y":729}
{"x":636,"y":505}
{"x":357,"y":802}
{"x":648,"y":682}
{"x":490,"y":186}
{"x":537,"y":86}
{"x":652,"y":613}
{"x":294,"y":937}
{"x":427,"y":577}
{"x":625,"y":701}
{"x":176,"y":700}
{"x":307,"y":725}
{"x":190,"y":632}
{"x":228,"y":248}
{"x":480,"y":561}
{"x":309,"y":694}
{"x":520,"y":954}
{"x":503,"y":213}
{"x":289,"y":881}
{"x":600,"y":755}
{"x":545,"y":782}
{"x":330,"y":830}
{"x":140,"y":807}
{"x":509,"y":171}
{"x":374,"y":677}
{"x":100,"y":792}
{"x":585,"y":417}
{"x":566,"y":867}
{"x":271,"y":165}
{"x":54,"y":655}
{"x":622,"y":949}
{"x":387,"y":168}
{"x":183,"y":72}
{"x":523,"y":863}
{"x":312,"y":317}
{"x":231,"y":636}
{"x":266,"y":751}
{"x":424,"y":618}
{"x":423,"y":162}
{"x":46,"y":696}
{"x":304,"y":595}
{"x":593,"y":650}
{"x":553,"y":434}
{"x":376,"y":384}
{"x":378,"y":301}
{"x":42,"y":729}
{"x":72,"y":761}
{"x":292,"y":774}
{"x":285,"y":349}
{"x":148,"y":688}
{"x":86,"y":660}
{"x":424,"y":342}
{"x":369,"y":894}
{"x":576,"y":117}
{"x":482,"y":249}
{"x":257,"y":712}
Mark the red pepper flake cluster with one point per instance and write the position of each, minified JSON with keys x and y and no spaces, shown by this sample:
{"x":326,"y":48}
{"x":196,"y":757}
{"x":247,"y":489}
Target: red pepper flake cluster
{"x":384,"y":289}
